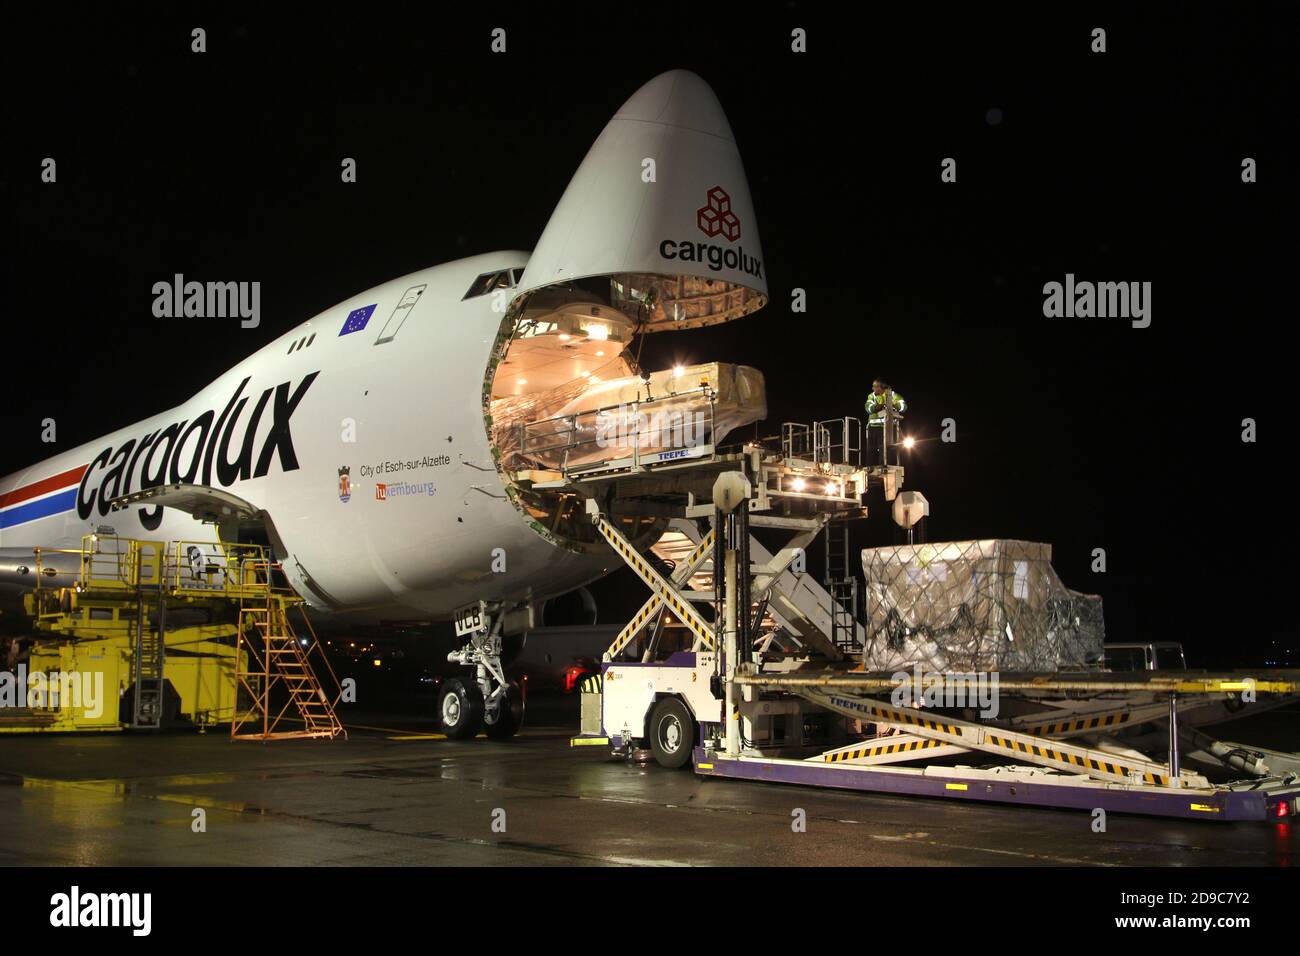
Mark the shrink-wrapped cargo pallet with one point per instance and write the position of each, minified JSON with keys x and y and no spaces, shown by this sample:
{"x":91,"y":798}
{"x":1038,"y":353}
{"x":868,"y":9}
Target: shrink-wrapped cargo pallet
{"x":990,"y":605}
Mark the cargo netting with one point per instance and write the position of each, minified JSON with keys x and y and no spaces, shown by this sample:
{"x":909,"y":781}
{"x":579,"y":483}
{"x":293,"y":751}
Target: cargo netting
{"x":968,"y":606}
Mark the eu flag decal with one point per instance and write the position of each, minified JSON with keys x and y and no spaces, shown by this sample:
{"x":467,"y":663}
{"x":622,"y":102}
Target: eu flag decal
{"x":357,"y":319}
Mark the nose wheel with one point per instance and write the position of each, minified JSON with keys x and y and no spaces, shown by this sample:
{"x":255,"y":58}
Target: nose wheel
{"x":460,"y":709}
{"x":505,"y":719}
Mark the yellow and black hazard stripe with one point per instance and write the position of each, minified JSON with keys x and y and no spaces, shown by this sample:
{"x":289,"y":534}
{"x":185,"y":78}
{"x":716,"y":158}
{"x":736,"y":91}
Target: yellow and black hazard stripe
{"x":629,"y":554}
{"x":630,"y":629}
{"x":1078,"y":724}
{"x":592,"y":685}
{"x":1113,"y":768}
{"x":686,"y":614}
{"x":701,"y":549}
{"x":878,"y":750}
{"x":915,"y":720}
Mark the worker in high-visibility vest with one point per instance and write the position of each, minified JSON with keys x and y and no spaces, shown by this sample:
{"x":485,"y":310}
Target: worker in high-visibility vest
{"x":876,"y":401}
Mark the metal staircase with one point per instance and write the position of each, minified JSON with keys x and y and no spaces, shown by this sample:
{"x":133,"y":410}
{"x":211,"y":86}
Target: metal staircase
{"x":842,"y":587}
{"x":149,"y":664}
{"x":807,"y":611}
{"x":278,"y":674}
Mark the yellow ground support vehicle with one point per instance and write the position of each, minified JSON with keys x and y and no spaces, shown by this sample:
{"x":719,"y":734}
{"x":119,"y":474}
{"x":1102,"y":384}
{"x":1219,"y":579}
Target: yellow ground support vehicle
{"x":153,"y":635}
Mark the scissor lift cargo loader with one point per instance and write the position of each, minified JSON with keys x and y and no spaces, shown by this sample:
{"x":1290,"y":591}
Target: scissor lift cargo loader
{"x":1067,"y":740}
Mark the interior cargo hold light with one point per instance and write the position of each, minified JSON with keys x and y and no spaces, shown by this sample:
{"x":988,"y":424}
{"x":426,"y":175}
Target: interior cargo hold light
{"x":597,"y":332}
{"x":797,"y":484}
{"x":832,"y":488}
{"x":523,"y":381}
{"x":909,"y":441}
{"x":677,"y":371}
{"x":600,"y":353}
{"x":564,"y":336}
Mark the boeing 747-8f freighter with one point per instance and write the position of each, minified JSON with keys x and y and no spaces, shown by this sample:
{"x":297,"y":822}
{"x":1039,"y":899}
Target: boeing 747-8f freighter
{"x":375,"y":447}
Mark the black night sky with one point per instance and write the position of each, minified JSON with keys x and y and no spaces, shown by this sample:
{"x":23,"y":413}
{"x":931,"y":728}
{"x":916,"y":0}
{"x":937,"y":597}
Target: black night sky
{"x":1122,"y":166}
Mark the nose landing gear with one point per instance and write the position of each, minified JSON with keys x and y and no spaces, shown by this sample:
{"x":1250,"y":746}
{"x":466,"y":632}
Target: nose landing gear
{"x":488,"y":702}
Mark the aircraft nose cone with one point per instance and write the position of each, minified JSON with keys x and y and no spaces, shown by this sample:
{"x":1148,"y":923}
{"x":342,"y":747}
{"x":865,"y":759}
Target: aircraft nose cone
{"x":678,"y":98}
{"x":661,"y":206}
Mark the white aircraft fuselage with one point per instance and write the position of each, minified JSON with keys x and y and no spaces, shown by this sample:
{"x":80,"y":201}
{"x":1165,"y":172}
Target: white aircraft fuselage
{"x":409,"y":531}
{"x":361,"y":441}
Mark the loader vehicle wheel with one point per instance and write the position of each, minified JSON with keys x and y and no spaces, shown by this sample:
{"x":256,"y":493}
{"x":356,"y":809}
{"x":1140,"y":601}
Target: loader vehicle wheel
{"x":672,"y":733}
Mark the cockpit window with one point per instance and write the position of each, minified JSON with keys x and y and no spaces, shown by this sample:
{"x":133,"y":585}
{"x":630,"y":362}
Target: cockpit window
{"x":481,"y":286}
{"x":491,"y":281}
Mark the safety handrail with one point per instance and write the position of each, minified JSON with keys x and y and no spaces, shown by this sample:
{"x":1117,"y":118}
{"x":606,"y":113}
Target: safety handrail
{"x":192,"y":568}
{"x":565,"y":438}
{"x":207,"y":567}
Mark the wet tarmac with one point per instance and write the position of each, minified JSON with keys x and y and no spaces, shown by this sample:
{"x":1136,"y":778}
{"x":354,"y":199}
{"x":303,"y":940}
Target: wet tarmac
{"x":397,"y":794}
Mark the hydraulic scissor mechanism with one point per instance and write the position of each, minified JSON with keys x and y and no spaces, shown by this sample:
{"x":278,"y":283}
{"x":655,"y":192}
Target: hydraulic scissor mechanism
{"x":1083,"y":740}
{"x":667,"y":592}
{"x":912,"y":734}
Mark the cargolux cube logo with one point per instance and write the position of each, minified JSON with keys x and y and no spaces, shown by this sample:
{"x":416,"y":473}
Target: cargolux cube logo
{"x":717,"y":218}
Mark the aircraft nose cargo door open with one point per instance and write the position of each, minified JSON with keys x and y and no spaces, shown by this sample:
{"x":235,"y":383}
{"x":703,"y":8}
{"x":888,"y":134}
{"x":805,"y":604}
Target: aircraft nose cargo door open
{"x":673,"y":414}
{"x":661,"y":207}
{"x":656,"y":232}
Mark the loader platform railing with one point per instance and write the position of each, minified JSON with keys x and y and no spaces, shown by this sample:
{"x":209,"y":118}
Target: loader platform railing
{"x":834,"y":443}
{"x":835,"y":447}
{"x":204,"y":569}
{"x":623,"y":435}
{"x":197,"y":569}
